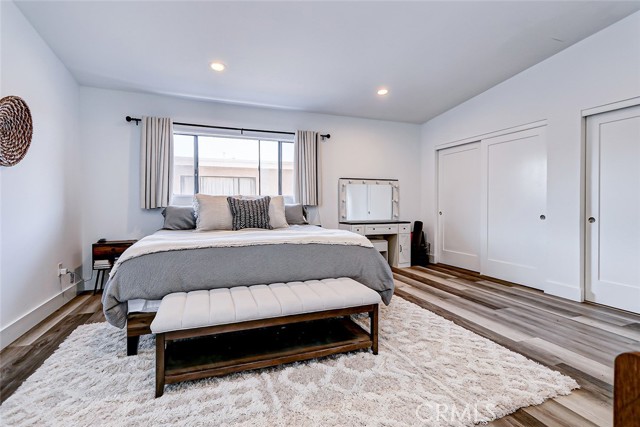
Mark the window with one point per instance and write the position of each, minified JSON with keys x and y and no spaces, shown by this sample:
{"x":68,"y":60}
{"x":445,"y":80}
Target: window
{"x":230,"y":166}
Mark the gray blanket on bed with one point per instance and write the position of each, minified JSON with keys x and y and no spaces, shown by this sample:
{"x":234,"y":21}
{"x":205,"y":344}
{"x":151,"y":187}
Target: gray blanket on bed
{"x":155,"y":275}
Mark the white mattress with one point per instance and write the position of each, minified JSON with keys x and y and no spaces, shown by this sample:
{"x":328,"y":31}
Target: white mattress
{"x":143,"y":306}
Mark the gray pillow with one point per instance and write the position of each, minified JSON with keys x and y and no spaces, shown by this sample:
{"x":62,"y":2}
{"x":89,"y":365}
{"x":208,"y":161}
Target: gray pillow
{"x":295,"y":214}
{"x":250,"y":213}
{"x":179,"y":218}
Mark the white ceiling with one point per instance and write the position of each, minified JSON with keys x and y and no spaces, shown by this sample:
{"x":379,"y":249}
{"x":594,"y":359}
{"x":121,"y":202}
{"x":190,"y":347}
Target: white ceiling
{"x":327,"y":57}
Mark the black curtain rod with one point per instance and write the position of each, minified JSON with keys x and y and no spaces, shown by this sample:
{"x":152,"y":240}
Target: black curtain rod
{"x":242,"y":130}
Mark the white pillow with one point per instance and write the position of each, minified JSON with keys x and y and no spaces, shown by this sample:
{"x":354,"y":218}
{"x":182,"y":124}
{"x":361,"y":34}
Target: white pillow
{"x":277,"y":216}
{"x":212,"y":213}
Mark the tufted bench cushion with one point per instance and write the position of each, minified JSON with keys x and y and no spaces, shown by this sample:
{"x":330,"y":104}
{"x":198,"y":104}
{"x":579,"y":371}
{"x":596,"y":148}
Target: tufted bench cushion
{"x":199,"y":309}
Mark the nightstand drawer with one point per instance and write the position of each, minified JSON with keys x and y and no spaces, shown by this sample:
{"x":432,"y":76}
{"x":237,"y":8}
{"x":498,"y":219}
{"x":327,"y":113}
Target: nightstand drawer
{"x":110,"y":250}
{"x":404,"y":228}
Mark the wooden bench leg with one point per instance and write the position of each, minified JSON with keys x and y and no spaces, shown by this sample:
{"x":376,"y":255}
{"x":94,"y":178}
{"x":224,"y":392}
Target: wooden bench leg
{"x":132,"y":345}
{"x":373,"y":320}
{"x":160,"y":347}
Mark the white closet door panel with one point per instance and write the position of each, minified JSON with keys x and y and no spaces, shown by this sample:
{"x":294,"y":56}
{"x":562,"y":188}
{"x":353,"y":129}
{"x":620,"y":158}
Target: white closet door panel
{"x":515,"y":184}
{"x":459,"y":194}
{"x":613,"y":201}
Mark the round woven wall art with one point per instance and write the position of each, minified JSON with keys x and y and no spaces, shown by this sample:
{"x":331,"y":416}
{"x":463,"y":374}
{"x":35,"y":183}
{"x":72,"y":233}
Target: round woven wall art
{"x":16,"y":130}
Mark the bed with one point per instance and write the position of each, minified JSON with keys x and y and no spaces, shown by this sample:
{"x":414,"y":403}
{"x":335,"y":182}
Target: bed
{"x":171,"y":261}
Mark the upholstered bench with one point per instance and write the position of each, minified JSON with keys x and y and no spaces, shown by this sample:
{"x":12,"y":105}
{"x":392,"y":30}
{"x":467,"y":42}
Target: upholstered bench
{"x":259,"y":326}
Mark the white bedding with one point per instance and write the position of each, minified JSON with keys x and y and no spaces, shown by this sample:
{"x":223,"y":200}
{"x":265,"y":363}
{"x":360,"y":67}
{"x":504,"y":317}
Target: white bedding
{"x":169,"y":240}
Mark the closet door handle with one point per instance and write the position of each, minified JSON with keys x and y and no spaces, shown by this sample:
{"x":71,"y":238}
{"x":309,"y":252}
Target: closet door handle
{"x":591,"y":220}
{"x":440,"y":213}
{"x":543,"y":217}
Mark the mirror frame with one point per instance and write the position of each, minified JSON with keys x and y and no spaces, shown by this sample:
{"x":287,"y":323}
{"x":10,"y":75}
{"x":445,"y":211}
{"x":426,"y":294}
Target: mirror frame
{"x":342,"y":196}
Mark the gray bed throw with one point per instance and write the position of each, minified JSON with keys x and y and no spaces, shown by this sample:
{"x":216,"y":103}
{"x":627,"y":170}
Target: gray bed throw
{"x":155,"y":275}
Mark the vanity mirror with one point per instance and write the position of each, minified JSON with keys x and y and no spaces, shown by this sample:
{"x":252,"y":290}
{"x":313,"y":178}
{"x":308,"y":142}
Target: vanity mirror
{"x":375,"y":200}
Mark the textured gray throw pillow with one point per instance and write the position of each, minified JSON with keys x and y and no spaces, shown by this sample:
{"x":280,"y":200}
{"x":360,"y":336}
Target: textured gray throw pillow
{"x":295,"y":214}
{"x":277,"y":215}
{"x":179,"y":218}
{"x":250,"y":213}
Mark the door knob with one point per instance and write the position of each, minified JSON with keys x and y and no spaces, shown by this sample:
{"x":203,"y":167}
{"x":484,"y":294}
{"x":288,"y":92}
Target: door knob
{"x":591,"y":220}
{"x":543,"y":217}
{"x":440,"y":213}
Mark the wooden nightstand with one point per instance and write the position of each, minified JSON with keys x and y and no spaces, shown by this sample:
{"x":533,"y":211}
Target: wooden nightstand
{"x":104,"y":255}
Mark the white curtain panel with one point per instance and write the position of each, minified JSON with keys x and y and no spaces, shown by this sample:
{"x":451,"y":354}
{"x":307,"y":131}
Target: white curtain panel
{"x":156,"y":157}
{"x":305,"y":167}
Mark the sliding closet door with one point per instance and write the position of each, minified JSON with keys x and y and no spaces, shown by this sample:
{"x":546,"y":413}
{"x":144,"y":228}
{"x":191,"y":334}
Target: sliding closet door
{"x":514,"y":202}
{"x":459,"y":193}
{"x":613,"y":209}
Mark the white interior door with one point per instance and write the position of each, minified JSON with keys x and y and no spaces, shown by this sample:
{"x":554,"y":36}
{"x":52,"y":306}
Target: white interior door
{"x":613,"y":209}
{"x":514,"y":179}
{"x":459,"y":194}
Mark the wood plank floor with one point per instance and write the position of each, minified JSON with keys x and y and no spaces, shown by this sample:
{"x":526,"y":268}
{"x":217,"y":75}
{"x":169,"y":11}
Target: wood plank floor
{"x":580,"y":340}
{"x":21,"y":358}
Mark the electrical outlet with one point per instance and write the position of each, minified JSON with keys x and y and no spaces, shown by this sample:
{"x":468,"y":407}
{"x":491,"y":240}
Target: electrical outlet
{"x":59,"y":269}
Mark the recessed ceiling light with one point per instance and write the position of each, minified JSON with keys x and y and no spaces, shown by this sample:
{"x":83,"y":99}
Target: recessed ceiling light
{"x":383,"y":91}
{"x":217,"y":66}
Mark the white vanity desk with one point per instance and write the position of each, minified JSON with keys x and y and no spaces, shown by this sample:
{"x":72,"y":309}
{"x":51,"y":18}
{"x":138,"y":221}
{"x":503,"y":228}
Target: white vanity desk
{"x":396,"y":233}
{"x":370,"y":207}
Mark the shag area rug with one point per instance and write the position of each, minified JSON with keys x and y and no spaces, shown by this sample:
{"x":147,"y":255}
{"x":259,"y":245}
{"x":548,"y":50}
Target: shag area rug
{"x":430,"y":372}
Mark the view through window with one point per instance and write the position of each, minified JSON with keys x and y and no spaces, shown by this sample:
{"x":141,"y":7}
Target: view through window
{"x":232,"y":166}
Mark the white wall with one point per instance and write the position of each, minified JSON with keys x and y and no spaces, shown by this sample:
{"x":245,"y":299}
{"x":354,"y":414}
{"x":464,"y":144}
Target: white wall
{"x":40,"y":210}
{"x":357,"y":148}
{"x":601,"y":69}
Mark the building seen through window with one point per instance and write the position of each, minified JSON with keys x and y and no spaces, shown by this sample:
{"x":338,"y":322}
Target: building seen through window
{"x":232,"y":166}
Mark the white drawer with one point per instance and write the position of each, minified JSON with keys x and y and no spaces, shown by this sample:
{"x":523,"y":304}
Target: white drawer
{"x":357,"y":229}
{"x":405,"y":228}
{"x":381,"y":229}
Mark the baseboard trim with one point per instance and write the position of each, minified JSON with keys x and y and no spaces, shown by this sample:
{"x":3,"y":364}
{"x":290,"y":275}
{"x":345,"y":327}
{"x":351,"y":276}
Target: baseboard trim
{"x":19,"y":327}
{"x":563,"y":290}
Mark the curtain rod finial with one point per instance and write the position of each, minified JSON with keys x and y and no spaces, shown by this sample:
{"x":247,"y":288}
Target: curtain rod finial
{"x":132,"y":119}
